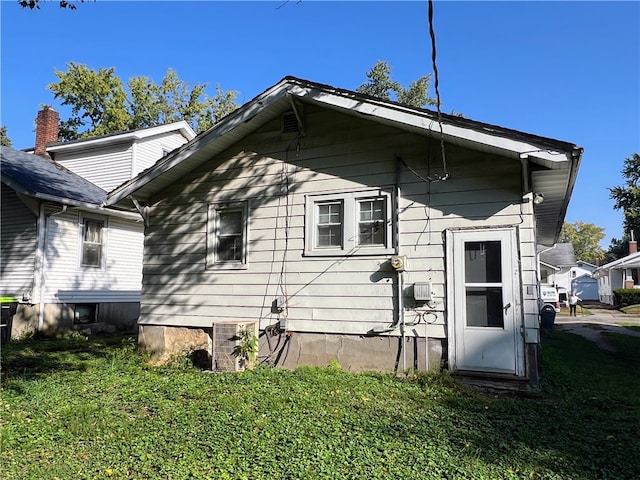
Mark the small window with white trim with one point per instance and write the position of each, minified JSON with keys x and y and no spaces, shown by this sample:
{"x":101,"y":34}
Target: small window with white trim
{"x":227,"y":229}
{"x":354,"y":223}
{"x":92,"y":242}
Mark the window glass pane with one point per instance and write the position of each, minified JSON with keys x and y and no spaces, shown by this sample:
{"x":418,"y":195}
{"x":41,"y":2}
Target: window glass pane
{"x":92,"y":231}
{"x":92,"y":243}
{"x":483,"y":262}
{"x":329,"y":236}
{"x":230,"y":242}
{"x":371,"y":210}
{"x":329,"y":213}
{"x":91,"y":255}
{"x":329,"y":225}
{"x":371,"y":233}
{"x":229,"y":248}
{"x":230,"y":222}
{"x":484,"y":307}
{"x":371,"y":227}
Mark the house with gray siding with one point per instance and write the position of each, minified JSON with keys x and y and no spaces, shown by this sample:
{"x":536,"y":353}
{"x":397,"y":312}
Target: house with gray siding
{"x":67,"y":261}
{"x":339,"y":226}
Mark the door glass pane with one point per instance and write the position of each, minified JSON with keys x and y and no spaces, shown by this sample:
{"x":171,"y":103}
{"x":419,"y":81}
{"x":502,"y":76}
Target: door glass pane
{"x":482,"y":262}
{"x":484,"y":307}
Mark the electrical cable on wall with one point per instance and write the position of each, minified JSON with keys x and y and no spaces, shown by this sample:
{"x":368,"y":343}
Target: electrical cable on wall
{"x":436,"y":85}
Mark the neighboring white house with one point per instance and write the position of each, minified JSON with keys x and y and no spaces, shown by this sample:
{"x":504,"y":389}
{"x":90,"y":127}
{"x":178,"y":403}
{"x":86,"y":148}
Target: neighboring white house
{"x":329,"y":221}
{"x":65,"y":258}
{"x":558,"y":268}
{"x":621,"y":273}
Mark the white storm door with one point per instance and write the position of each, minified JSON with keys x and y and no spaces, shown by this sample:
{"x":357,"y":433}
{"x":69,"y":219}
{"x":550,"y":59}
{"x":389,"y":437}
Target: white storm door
{"x":483,"y":273}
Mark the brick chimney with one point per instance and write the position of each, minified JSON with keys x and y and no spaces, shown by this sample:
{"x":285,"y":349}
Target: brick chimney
{"x":46,"y":130}
{"x":633,"y":247}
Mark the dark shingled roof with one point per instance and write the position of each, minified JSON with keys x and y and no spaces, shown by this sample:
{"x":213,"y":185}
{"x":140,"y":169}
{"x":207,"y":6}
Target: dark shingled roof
{"x":36,"y":176}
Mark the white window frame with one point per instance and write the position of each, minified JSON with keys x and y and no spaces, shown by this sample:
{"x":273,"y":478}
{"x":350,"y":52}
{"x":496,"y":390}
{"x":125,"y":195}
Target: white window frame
{"x":213,"y":218}
{"x":103,"y":243}
{"x":350,"y":222}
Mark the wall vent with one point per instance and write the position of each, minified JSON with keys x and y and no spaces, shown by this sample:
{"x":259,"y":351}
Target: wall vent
{"x":290,"y":123}
{"x":224,"y":339}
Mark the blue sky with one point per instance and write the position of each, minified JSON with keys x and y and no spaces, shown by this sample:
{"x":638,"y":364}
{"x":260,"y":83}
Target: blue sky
{"x":565,"y":70}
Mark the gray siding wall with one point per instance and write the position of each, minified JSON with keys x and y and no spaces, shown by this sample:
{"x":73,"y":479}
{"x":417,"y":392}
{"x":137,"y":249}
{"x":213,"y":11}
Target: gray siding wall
{"x":106,"y":166}
{"x":341,"y":294}
{"x":149,"y":150}
{"x":18,"y":237}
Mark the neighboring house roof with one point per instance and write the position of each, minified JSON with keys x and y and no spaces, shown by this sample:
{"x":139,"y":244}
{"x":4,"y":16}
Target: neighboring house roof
{"x":83,"y":143}
{"x":556,"y":162}
{"x":630,"y":261}
{"x":586,"y":265}
{"x":560,"y":255}
{"x":41,"y":178}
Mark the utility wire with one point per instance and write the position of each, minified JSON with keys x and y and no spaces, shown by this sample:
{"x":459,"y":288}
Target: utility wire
{"x":432,"y":33}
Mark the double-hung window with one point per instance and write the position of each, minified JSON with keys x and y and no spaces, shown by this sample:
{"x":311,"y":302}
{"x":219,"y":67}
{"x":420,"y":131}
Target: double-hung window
{"x":92,"y":242}
{"x":329,"y":224}
{"x":227,"y":229}
{"x":354,"y":223}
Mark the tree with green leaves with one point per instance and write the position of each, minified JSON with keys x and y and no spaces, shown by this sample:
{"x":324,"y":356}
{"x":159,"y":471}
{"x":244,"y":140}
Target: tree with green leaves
{"x":585,"y":238}
{"x":35,"y":4}
{"x":617,"y":249}
{"x":101,"y":104}
{"x":627,"y":196}
{"x":381,"y":85}
{"x":5,"y":141}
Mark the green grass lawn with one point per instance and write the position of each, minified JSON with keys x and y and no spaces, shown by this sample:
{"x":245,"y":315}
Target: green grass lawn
{"x":78,"y":409}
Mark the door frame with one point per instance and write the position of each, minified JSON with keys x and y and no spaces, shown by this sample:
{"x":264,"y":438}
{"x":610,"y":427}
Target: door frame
{"x":455,"y":311}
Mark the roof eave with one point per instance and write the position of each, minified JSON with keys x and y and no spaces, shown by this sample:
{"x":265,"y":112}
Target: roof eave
{"x":549,"y":153}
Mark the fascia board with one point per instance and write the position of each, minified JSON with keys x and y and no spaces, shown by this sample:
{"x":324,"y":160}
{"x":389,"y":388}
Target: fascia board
{"x":391,"y":113}
{"x":181,"y":126}
{"x":90,"y":207}
{"x":477,"y":140}
{"x":240,"y":117}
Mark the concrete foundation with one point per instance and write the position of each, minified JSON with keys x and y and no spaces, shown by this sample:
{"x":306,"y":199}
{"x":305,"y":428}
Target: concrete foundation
{"x":58,"y":317}
{"x":165,"y":343}
{"x":289,"y":350}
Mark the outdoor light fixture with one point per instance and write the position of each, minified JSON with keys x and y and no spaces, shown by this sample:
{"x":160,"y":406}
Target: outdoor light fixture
{"x":538,"y":198}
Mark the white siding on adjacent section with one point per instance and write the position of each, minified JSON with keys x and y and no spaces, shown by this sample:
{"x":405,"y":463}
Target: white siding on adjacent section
{"x":149,"y":150}
{"x":18,"y":237}
{"x":67,"y":281}
{"x":341,"y":294}
{"x":106,"y":166}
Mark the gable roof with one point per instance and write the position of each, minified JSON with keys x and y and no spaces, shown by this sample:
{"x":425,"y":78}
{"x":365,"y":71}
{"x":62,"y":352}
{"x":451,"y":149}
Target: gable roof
{"x":630,"y":261}
{"x":41,"y":178}
{"x":558,"y":160}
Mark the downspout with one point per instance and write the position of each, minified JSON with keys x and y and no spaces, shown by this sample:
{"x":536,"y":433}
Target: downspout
{"x":41,"y":259}
{"x":400,"y":282}
{"x":39,"y":266}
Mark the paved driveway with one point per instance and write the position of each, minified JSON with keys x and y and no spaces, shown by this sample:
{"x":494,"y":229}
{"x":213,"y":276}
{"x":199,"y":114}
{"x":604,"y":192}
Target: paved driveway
{"x":600,"y":321}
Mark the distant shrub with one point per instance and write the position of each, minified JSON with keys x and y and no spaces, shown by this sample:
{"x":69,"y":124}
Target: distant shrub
{"x":627,"y":296}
